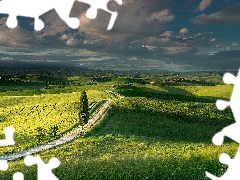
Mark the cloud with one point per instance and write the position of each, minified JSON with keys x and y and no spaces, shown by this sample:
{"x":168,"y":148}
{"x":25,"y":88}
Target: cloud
{"x":183,"y":31}
{"x":177,"y":50}
{"x":213,"y":53}
{"x":228,"y":48}
{"x":229,"y":15}
{"x":204,"y":4}
{"x":182,"y":42}
{"x":167,"y":34}
{"x":234,"y":44}
{"x":161,"y":17}
{"x":202,"y":33}
{"x":135,"y":20}
{"x":140,"y":32}
{"x":213,"y":40}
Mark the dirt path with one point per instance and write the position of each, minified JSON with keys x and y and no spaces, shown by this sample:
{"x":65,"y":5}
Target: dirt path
{"x":64,"y":139}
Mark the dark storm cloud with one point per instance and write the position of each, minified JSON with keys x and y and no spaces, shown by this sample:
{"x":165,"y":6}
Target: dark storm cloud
{"x":229,"y":15}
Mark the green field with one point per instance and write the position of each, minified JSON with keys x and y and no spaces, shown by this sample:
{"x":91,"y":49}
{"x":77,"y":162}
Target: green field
{"x":26,"y":113}
{"x":155,"y":132}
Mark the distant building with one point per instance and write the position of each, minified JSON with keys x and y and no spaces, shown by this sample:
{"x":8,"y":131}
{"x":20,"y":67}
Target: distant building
{"x":178,"y":79}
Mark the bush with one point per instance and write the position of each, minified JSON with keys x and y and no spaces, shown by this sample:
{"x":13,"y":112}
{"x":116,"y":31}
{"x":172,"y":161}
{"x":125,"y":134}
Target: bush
{"x":53,"y":130}
{"x":41,"y":134}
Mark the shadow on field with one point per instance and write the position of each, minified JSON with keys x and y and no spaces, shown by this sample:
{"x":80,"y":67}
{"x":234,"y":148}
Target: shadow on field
{"x":173,"y":90}
{"x":173,"y":94}
{"x":159,"y":125}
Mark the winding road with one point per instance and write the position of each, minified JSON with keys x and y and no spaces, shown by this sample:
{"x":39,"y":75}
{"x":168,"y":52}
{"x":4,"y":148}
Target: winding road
{"x":64,"y":139}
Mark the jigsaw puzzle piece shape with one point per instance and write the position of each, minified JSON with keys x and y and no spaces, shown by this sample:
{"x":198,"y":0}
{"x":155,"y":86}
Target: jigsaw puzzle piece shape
{"x":101,"y":4}
{"x":8,"y":132}
{"x":44,"y":170}
{"x":232,"y":172}
{"x":36,"y":8}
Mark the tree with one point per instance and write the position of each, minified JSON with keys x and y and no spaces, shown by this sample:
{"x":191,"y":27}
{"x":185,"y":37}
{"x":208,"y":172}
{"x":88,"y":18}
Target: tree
{"x":83,"y":108}
{"x":81,"y":119}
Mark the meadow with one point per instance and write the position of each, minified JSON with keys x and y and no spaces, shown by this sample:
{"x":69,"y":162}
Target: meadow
{"x":27,"y":113}
{"x":154,"y":132}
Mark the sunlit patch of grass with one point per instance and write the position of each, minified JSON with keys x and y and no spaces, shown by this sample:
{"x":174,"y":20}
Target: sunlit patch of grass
{"x":41,"y":111}
{"x":220,"y":91}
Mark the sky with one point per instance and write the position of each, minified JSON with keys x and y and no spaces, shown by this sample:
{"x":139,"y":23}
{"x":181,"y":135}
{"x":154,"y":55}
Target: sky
{"x":173,"y":35}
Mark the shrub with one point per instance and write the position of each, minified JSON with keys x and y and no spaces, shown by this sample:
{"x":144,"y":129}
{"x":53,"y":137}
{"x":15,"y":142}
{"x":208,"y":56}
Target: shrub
{"x":53,"y":130}
{"x":41,"y":134}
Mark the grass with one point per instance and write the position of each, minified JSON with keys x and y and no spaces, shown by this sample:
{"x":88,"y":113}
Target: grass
{"x":120,"y":157}
{"x":143,"y":138}
{"x":27,"y":113}
{"x":194,"y":93}
{"x":13,"y":85}
{"x":67,"y":89}
{"x":220,"y":91}
{"x":9,"y":101}
{"x":155,"y":132}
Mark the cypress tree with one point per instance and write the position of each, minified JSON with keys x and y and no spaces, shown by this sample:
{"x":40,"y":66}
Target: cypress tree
{"x":83,"y":108}
{"x":81,"y":119}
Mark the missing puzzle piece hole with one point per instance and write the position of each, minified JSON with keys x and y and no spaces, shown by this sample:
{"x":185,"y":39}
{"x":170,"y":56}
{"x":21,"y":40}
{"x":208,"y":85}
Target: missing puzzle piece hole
{"x":3,"y":165}
{"x":229,"y":78}
{"x":18,"y":176}
{"x":225,"y":159}
{"x":73,"y":23}
{"x":91,"y":13}
{"x":218,"y":139}
{"x":221,"y":105}
{"x":8,"y":141}
{"x":29,"y":160}
{"x":12,"y":22}
{"x":38,"y":24}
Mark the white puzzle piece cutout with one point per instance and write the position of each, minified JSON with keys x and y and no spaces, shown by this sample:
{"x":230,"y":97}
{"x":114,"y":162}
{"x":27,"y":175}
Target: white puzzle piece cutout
{"x":36,"y":8}
{"x":232,"y":131}
{"x":44,"y":170}
{"x":8,"y":132}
